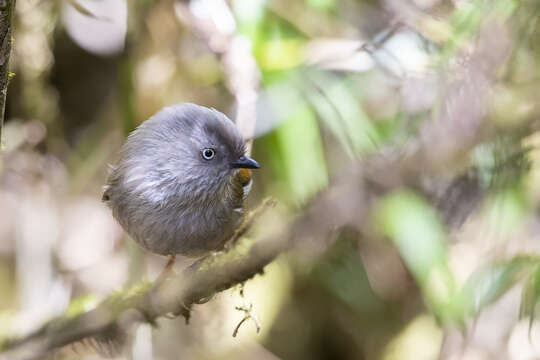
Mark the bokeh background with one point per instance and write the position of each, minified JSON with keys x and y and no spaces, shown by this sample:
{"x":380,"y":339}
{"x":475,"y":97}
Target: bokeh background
{"x":446,"y":264}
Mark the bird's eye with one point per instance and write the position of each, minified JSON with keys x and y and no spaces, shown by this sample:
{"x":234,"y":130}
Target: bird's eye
{"x":208,"y":154}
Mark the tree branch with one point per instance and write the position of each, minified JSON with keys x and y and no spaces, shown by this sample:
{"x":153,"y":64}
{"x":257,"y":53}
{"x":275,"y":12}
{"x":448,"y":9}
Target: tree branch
{"x":146,"y":302}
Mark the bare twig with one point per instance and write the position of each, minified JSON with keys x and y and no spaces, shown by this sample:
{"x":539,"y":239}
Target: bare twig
{"x":248,"y":315}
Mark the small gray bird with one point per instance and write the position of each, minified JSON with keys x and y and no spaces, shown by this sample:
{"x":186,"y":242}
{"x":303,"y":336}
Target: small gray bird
{"x":181,"y":181}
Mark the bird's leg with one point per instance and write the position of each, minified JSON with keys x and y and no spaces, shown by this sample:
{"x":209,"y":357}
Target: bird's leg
{"x":167,"y":270}
{"x":170,"y":263}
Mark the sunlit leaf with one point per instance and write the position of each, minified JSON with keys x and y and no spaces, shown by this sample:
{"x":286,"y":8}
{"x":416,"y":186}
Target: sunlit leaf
{"x":278,"y":45}
{"x":277,"y":54}
{"x":300,"y":144}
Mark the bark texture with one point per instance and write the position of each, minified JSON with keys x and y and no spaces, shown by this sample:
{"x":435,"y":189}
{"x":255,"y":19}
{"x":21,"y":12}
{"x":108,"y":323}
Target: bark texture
{"x":7,"y":9}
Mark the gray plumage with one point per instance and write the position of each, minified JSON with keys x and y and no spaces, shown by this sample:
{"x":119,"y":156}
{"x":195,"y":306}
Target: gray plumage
{"x":166,"y":195}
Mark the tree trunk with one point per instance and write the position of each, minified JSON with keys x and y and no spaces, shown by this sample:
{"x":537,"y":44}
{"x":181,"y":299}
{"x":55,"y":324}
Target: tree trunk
{"x":7,"y":9}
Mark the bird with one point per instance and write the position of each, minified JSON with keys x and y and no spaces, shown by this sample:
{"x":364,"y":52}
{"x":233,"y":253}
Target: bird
{"x":181,"y":180}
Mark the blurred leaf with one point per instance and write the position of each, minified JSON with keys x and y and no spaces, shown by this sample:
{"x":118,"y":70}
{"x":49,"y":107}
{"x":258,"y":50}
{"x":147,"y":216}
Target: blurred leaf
{"x":466,"y":21}
{"x":85,"y":11}
{"x":487,"y":284}
{"x":436,"y":30}
{"x":341,"y":112}
{"x":501,"y":164}
{"x":300,"y":144}
{"x":249,"y":12}
{"x":343,"y":274}
{"x":278,"y":45}
{"x":322,"y":4}
{"x":249,"y":15}
{"x":413,"y":226}
{"x":277,"y":54}
{"x":506,"y":211}
{"x":420,"y":238}
{"x":421,"y":339}
{"x":530,"y":297}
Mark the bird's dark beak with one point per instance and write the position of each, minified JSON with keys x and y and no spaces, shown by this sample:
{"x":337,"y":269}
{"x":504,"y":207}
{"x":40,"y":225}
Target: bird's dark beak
{"x":245,"y":162}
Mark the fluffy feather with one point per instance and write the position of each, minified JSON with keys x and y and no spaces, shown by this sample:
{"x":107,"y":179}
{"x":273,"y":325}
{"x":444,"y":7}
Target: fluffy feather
{"x":165,"y":195}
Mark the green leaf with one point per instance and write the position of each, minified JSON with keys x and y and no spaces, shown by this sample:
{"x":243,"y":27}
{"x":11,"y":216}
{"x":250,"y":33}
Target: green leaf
{"x":343,"y":274}
{"x":341,"y":112}
{"x":507,"y":209}
{"x":530,"y":297}
{"x":300,"y":142}
{"x":278,"y":45}
{"x":420,"y":238}
{"x":487,"y":284}
{"x":413,"y":226}
{"x":281,"y":53}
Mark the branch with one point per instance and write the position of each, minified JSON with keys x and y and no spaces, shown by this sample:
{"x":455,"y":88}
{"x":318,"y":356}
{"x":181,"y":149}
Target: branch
{"x":145,"y":303}
{"x":7,"y":9}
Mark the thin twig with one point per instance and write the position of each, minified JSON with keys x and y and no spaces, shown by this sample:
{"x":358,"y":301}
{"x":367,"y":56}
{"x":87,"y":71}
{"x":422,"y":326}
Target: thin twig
{"x":248,"y":315}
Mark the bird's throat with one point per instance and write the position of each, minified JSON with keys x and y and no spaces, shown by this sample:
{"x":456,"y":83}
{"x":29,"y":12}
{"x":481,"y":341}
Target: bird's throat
{"x":243,"y":176}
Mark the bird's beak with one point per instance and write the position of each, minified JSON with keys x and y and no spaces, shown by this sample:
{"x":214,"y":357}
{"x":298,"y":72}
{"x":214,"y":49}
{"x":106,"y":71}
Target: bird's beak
{"x":245,"y":162}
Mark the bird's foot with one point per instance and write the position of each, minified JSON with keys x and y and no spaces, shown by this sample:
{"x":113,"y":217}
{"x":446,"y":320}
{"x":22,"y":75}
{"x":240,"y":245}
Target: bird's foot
{"x":167,"y":271}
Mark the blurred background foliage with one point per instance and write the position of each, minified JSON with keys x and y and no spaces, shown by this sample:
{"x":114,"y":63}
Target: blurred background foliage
{"x":446,"y":266}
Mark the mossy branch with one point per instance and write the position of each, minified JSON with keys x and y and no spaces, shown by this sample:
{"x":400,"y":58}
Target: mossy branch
{"x":148,"y":301}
